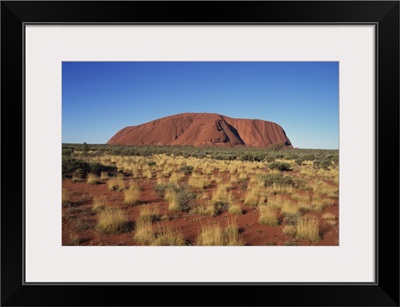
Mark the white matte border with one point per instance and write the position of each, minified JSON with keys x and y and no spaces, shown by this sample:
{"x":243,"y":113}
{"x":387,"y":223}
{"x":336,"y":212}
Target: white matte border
{"x":48,"y":45}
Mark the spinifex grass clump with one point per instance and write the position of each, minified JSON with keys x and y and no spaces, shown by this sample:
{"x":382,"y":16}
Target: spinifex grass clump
{"x":234,"y":207}
{"x":308,"y":228}
{"x":289,"y":208}
{"x":167,"y":236}
{"x":198,"y":182}
{"x":104,"y":176}
{"x":116,"y":183}
{"x":144,"y":232}
{"x":149,"y":212}
{"x":221,"y":196}
{"x":132,"y":195}
{"x":205,"y":208}
{"x":330,"y":218}
{"x":214,"y":235}
{"x":65,"y":198}
{"x":252,"y":196}
{"x":267,"y":216}
{"x":289,"y":230}
{"x":232,"y":236}
{"x":111,"y":220}
{"x":99,"y":203}
{"x":93,"y":179}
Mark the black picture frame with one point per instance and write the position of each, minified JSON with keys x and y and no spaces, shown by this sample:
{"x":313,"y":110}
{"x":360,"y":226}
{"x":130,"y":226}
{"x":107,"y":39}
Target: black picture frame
{"x":383,"y":14}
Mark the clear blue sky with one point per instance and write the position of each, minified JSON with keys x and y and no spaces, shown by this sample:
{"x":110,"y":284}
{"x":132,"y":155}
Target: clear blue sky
{"x":100,"y":98}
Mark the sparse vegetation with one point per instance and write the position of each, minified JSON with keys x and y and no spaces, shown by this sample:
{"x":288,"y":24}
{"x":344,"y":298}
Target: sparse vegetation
{"x":144,"y":232}
{"x":167,"y":236}
{"x":267,"y":216}
{"x":214,"y":235}
{"x":65,"y":197}
{"x":282,"y":166}
{"x":132,"y":195}
{"x":93,"y":179}
{"x":181,"y":200}
{"x":308,"y":228}
{"x":99,"y":203}
{"x":111,"y":220}
{"x":193,"y":187}
{"x":116,"y":183}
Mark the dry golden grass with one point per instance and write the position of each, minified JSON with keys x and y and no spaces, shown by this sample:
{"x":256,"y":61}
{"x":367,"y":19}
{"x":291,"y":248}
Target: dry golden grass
{"x":276,"y":201}
{"x":149,"y":212}
{"x":206,"y":208}
{"x":211,"y":235}
{"x":214,"y":235}
{"x":279,"y":189}
{"x":308,"y":228}
{"x":330,"y":218}
{"x":235,"y":207}
{"x":93,"y":179}
{"x":116,"y":183}
{"x":267,"y":216}
{"x":99,"y":203}
{"x":104,"y":176}
{"x":221,"y":195}
{"x":144,"y":232}
{"x":171,"y":196}
{"x":318,"y":204}
{"x":308,"y":171}
{"x":289,"y":208}
{"x":65,"y":197}
{"x":111,"y":220}
{"x":176,"y":178}
{"x":76,"y":177}
{"x":252,"y":196}
{"x":132,"y":197}
{"x":147,"y":174}
{"x":232,"y":236}
{"x":289,"y":230}
{"x":133,"y":185}
{"x":198,"y":182}
{"x":167,"y":236}
{"x":325,"y":189}
{"x":74,"y":239}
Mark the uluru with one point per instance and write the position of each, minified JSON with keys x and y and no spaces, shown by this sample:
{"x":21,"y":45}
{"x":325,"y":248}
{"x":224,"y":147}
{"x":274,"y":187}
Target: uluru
{"x":203,"y":130}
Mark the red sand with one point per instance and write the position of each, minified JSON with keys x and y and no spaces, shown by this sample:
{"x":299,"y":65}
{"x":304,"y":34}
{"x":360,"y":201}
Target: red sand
{"x":79,"y":218}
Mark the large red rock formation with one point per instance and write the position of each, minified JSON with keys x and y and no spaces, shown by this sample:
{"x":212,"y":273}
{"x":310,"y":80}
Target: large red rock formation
{"x":203,"y":129}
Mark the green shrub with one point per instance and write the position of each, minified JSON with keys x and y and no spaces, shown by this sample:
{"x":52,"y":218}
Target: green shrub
{"x":161,"y":188}
{"x":270,"y":179}
{"x":186,"y":169}
{"x":71,"y":165}
{"x":184,"y":200}
{"x":67,"y":152}
{"x":282,"y":166}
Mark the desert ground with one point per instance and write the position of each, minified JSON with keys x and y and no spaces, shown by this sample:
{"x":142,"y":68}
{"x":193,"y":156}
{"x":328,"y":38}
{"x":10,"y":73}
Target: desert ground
{"x":177,"y":195}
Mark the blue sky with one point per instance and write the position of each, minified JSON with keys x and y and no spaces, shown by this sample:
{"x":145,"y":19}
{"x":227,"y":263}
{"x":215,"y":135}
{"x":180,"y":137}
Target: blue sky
{"x":100,"y":98}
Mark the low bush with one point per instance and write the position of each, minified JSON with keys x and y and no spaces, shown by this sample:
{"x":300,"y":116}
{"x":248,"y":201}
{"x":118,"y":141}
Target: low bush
{"x":267,"y":216}
{"x":111,"y":220}
{"x":182,"y":201}
{"x":282,"y":166}
{"x":186,"y":169}
{"x":279,"y":179}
